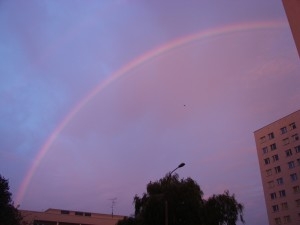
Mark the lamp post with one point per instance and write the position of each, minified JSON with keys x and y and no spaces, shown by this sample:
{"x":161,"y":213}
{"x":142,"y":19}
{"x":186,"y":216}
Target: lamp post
{"x":179,"y":166}
{"x":166,"y":201}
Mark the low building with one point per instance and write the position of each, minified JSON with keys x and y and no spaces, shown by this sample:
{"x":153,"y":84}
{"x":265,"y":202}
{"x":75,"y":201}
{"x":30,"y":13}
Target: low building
{"x":67,"y":217}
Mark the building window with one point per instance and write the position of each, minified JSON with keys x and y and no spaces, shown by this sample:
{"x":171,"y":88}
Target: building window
{"x":273,"y":146}
{"x":267,"y":161}
{"x":298,"y":162}
{"x":295,"y":137}
{"x":284,"y":206}
{"x":285,"y":141}
{"x":286,"y":219}
{"x":296,"y":189}
{"x":277,"y":169}
{"x":275,"y":158}
{"x":262,"y":139}
{"x":79,"y":213}
{"x":271,"y":184}
{"x":269,"y":172}
{"x":275,"y":208}
{"x":283,"y":130}
{"x":279,"y":181}
{"x":64,"y":212}
{"x":87,"y":214}
{"x":278,"y":221}
{"x":271,"y":135}
{"x":288,"y":152}
{"x":293,"y":126}
{"x":273,"y":195}
{"x":294,"y":177}
{"x":291,"y":164}
{"x":265,"y":150}
{"x":298,"y":202}
{"x":282,"y":193}
{"x":297,"y":149}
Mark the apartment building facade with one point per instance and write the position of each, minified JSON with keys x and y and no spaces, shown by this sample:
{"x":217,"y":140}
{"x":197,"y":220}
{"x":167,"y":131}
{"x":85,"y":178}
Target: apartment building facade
{"x":68,"y":217}
{"x":278,"y":150}
{"x":292,"y":9}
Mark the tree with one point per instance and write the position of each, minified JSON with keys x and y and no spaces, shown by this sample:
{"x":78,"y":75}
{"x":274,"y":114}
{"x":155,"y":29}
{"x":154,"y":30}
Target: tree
{"x":128,"y":221}
{"x":174,"y":201}
{"x":181,"y":200}
{"x":9,"y":215}
{"x":223,"y":210}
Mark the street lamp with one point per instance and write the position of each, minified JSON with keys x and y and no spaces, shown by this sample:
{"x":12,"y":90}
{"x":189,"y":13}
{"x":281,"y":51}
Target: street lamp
{"x":166,"y":201}
{"x":179,"y":166}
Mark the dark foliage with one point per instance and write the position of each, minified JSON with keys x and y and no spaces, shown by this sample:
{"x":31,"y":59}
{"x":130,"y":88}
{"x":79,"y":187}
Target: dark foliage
{"x":128,"y":221}
{"x":182,"y":202}
{"x":180,"y":199}
{"x":9,"y":215}
{"x":223,"y":210}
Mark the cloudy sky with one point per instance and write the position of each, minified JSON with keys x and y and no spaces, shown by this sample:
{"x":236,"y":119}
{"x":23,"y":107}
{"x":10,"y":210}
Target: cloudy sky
{"x":97,"y":98}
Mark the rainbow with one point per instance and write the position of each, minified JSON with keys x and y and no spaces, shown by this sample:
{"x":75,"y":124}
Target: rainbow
{"x":139,"y":61}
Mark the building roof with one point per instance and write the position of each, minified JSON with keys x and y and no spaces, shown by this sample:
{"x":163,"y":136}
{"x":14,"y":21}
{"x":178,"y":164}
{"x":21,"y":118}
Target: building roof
{"x":69,"y":216}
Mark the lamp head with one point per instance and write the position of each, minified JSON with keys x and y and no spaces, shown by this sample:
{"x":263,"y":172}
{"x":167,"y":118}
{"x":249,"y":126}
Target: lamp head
{"x":181,"y":165}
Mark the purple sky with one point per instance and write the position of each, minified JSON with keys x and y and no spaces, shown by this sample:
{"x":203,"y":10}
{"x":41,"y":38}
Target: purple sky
{"x":173,"y":100}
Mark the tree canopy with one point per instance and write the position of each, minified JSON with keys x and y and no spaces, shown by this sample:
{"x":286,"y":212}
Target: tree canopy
{"x":9,"y":215}
{"x":223,"y":209}
{"x":174,"y":201}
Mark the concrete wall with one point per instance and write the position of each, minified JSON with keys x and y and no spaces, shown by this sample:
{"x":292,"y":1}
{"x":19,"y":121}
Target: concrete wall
{"x":292,"y":9}
{"x":287,"y":204}
{"x":56,"y":217}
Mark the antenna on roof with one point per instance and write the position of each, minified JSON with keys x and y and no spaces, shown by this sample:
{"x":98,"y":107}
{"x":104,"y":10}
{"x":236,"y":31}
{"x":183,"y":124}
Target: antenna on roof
{"x":113,"y":203}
